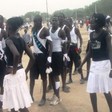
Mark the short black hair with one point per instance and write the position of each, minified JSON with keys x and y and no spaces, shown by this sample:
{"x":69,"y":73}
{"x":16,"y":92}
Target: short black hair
{"x":38,"y":17}
{"x":61,"y":14}
{"x":100,"y":19}
{"x":70,"y":19}
{"x":55,"y":17}
{"x":15,"y":23}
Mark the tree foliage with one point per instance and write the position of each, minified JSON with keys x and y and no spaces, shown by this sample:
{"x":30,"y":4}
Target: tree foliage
{"x":28,"y":17}
{"x":101,"y":6}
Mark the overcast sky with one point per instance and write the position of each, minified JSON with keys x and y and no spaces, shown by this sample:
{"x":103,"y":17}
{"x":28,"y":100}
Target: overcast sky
{"x":9,"y":8}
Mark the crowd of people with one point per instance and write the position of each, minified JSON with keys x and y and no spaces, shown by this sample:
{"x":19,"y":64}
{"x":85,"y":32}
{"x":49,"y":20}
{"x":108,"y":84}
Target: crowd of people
{"x":55,"y":50}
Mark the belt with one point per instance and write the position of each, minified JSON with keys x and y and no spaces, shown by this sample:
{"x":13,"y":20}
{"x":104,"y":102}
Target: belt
{"x":19,"y":66}
{"x":37,"y":53}
{"x":74,"y":44}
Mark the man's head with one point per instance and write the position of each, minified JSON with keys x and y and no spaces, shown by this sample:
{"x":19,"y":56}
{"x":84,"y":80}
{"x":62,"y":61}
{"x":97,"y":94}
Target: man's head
{"x":69,"y":22}
{"x":37,"y":21}
{"x":55,"y":22}
{"x":98,"y":21}
{"x":61,"y":17}
{"x":13,"y":24}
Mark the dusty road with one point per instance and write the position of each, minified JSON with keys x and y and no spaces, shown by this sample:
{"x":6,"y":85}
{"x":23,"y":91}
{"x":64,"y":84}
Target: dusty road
{"x":75,"y":101}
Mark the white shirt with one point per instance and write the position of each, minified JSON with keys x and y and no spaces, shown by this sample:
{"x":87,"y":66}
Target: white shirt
{"x":74,"y":38}
{"x":56,"y":40}
{"x":43,"y":42}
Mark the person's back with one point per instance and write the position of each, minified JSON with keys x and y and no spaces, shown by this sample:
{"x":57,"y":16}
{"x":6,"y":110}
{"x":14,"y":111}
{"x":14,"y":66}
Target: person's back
{"x":20,"y":45}
{"x":16,"y":95}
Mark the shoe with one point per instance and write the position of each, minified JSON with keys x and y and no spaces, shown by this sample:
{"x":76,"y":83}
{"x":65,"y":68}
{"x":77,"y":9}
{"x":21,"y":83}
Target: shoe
{"x":75,"y":73}
{"x":86,"y":78}
{"x":55,"y":101}
{"x":49,"y":88}
{"x":32,"y":98}
{"x":81,"y":81}
{"x":70,"y":81}
{"x":51,"y":99}
{"x":42,"y":102}
{"x":66,"y":89}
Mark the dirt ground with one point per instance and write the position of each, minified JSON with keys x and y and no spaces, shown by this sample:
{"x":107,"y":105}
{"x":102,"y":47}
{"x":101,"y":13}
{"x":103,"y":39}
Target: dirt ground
{"x":75,"y":101}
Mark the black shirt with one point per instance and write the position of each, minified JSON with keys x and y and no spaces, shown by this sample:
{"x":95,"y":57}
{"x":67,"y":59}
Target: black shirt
{"x":99,"y":46}
{"x":20,"y":45}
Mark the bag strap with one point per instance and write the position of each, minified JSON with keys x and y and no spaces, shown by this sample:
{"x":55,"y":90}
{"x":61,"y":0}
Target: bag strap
{"x":39,"y":44}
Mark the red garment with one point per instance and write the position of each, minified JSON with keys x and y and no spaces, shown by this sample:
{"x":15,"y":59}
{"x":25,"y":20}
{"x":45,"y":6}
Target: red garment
{"x":77,"y":50}
{"x":87,"y":22}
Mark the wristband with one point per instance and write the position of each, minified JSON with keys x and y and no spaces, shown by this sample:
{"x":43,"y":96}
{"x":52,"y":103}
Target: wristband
{"x":49,"y":59}
{"x":65,"y":55}
{"x":48,"y":70}
{"x":49,"y":38}
{"x":63,"y":41}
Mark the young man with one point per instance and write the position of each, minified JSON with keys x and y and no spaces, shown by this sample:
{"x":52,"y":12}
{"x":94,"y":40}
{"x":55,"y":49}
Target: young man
{"x":58,"y":38}
{"x":42,"y":54}
{"x":74,"y":51}
{"x":66,"y":29}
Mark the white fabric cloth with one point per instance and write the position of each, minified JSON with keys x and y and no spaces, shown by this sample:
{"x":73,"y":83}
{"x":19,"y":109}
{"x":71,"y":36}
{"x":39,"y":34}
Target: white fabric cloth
{"x":63,"y":27}
{"x":49,"y":38}
{"x":99,"y":80}
{"x":56,"y":40}
{"x":27,"y":38}
{"x":43,"y":42}
{"x":74,"y":38}
{"x":16,"y":93}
